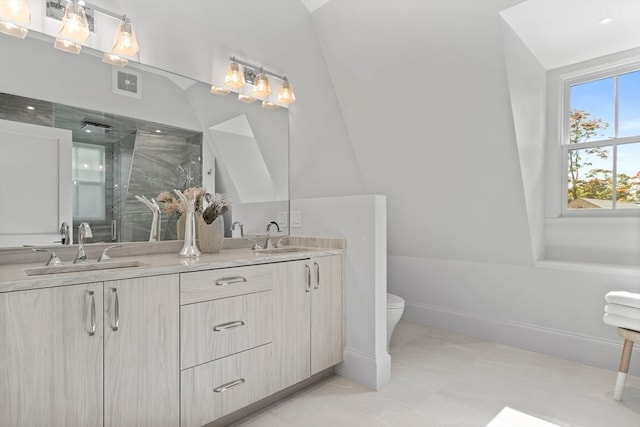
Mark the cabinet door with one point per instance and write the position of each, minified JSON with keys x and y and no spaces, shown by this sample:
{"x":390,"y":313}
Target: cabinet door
{"x":141,"y":362}
{"x":50,"y":358}
{"x":327,"y":313}
{"x":291,"y":332}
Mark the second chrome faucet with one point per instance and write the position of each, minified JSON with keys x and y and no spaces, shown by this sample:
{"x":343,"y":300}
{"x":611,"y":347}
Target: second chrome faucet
{"x":84,"y":232}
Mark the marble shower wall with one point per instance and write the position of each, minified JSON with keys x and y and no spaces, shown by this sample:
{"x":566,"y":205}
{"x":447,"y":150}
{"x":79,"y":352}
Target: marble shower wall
{"x":158,"y":163}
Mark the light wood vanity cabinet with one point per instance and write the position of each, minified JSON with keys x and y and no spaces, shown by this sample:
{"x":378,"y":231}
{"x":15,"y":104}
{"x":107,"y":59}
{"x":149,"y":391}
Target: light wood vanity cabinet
{"x":179,"y":349}
{"x":50,"y":362}
{"x":226,"y":341}
{"x":141,"y":352}
{"x":61,"y":347}
{"x":309,"y":318}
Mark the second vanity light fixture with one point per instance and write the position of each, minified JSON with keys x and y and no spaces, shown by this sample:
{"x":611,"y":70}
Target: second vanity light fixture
{"x":240,"y":73}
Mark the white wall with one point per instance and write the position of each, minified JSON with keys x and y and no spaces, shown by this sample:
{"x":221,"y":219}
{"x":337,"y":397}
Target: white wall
{"x":527,"y":87}
{"x":444,"y":107}
{"x":362,"y":221}
{"x":277,"y":35}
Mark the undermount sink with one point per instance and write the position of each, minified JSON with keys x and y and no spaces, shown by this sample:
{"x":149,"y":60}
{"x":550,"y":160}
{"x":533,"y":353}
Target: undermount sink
{"x":74,"y":268}
{"x":284,"y":250}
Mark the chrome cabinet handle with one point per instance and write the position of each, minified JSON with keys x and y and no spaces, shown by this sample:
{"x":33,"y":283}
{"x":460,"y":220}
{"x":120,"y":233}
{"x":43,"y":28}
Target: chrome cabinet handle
{"x":227,"y":386}
{"x":306,"y":267}
{"x":114,"y":230}
{"x":229,"y":325}
{"x":229,"y":280}
{"x":92,"y":331}
{"x":317,"y":275}
{"x":116,"y":310}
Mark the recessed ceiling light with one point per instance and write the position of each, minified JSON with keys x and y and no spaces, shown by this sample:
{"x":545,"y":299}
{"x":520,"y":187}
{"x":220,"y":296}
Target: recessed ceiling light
{"x":605,"y":21}
{"x":29,"y":107}
{"x":158,"y":131}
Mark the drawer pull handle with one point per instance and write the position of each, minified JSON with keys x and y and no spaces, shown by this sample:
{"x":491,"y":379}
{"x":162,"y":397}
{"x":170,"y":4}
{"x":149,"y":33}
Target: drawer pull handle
{"x":229,"y":325}
{"x":229,"y":280}
{"x":227,"y":386}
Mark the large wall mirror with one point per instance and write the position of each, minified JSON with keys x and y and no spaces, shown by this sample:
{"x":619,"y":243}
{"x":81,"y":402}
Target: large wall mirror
{"x":155,"y":132}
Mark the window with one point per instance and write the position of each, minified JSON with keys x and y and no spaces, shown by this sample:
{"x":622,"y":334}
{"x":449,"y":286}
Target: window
{"x":89,"y":185}
{"x":601,"y":141}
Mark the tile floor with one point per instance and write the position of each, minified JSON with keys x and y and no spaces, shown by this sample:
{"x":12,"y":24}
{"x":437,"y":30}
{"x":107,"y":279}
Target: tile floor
{"x":439,"y":378}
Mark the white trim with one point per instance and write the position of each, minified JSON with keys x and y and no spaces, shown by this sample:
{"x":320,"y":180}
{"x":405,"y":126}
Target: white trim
{"x":365,"y":370}
{"x":563,"y":344}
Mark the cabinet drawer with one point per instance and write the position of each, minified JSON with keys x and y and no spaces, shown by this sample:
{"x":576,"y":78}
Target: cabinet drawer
{"x":213,"y":284}
{"x":214,"y":329}
{"x":217,"y":388}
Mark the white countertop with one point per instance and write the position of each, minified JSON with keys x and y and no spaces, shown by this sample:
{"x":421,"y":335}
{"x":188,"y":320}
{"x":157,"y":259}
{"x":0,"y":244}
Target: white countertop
{"x":14,"y":278}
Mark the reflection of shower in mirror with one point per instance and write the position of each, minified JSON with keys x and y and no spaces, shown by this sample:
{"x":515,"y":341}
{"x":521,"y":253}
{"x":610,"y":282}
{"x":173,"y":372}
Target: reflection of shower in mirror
{"x":190,"y":173}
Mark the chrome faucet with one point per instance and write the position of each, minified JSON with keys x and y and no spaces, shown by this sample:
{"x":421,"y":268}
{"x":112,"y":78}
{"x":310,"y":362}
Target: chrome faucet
{"x":267,"y":242}
{"x":64,"y":232}
{"x":233,"y":227}
{"x":84,"y":231}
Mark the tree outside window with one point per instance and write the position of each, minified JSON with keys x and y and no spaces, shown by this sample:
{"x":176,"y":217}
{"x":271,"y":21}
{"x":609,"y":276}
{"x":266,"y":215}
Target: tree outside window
{"x":603,"y":147}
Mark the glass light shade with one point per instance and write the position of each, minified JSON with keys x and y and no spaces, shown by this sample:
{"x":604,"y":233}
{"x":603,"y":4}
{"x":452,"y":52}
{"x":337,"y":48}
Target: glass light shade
{"x":67,"y":46}
{"x":270,"y":105}
{"x":13,"y":13}
{"x":16,"y":11}
{"x":261,"y":85}
{"x":219,"y":90}
{"x":74,"y":23}
{"x":112,"y":59}
{"x":13,"y":30}
{"x":125,"y":42}
{"x":246,"y":99}
{"x":235,"y":76}
{"x":285,"y":94}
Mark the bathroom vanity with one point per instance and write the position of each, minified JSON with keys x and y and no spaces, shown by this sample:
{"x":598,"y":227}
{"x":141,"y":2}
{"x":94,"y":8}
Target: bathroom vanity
{"x":168,"y":342}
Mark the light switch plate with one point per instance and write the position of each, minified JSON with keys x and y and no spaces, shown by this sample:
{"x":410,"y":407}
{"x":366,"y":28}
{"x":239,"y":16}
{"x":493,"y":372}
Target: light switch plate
{"x":283,"y":219}
{"x":296,"y":219}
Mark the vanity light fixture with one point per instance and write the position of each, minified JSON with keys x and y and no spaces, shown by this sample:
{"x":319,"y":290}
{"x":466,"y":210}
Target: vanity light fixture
{"x":220,"y":90}
{"x":74,"y":28}
{"x":285,"y":94}
{"x":14,"y":17}
{"x":240,"y":72}
{"x":261,"y":85}
{"x":235,"y":76}
{"x":125,"y":42}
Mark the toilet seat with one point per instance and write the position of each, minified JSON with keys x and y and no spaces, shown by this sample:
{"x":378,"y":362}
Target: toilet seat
{"x":394,"y":302}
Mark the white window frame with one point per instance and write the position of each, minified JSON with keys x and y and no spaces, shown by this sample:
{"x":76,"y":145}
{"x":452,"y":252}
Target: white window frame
{"x":586,"y":75}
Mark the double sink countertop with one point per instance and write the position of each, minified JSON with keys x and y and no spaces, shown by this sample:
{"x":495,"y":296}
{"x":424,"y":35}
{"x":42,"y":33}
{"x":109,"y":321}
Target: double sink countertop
{"x":146,"y":259}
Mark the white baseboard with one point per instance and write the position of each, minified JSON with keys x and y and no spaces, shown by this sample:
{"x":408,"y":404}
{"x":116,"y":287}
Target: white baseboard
{"x":365,"y":370}
{"x":563,"y":344}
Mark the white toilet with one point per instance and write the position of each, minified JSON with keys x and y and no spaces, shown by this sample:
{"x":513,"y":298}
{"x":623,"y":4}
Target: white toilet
{"x":395,"y":307}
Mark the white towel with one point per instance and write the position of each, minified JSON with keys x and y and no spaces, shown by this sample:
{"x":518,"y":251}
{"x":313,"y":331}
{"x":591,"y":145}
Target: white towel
{"x":623,"y":310}
{"x":621,"y":321}
{"x":623,"y":298}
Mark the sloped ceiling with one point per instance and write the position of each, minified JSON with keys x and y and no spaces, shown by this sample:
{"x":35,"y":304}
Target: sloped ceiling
{"x":564,"y":32}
